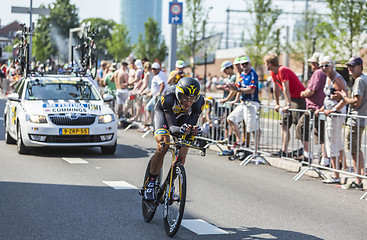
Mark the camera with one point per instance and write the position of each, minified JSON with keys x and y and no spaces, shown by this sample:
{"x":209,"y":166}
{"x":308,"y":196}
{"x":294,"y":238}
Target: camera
{"x":180,"y":72}
{"x":332,"y":91}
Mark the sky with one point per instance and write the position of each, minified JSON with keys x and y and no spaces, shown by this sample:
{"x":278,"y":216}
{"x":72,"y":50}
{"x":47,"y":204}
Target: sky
{"x":109,"y":9}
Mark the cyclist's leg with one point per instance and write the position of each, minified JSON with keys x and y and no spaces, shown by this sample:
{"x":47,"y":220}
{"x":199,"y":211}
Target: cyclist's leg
{"x":182,"y":154}
{"x":157,"y":158}
{"x":161,"y":134}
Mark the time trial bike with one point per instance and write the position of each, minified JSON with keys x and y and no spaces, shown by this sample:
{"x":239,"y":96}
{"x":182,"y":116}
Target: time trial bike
{"x":172,"y":191}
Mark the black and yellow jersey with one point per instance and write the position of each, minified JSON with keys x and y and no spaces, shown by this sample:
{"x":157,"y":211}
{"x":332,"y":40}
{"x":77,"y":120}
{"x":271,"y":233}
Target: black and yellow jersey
{"x":168,"y":113}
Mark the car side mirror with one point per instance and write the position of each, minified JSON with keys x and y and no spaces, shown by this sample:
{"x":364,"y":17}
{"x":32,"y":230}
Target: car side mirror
{"x":14,"y":97}
{"x":107,"y":97}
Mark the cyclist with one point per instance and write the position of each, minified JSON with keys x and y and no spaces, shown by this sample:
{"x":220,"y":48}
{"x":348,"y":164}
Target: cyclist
{"x":176,"y":113}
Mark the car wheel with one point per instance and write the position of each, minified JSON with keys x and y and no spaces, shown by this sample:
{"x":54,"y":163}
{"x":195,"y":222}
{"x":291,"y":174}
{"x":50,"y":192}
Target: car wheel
{"x":109,"y":149}
{"x":22,"y":149}
{"x":8,"y":138}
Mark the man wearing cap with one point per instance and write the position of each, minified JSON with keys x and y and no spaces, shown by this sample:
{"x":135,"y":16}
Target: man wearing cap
{"x":178,"y":73}
{"x":357,"y":106}
{"x":314,"y":95}
{"x":285,"y":80}
{"x":237,"y":64}
{"x":227,"y":68}
{"x":247,"y":90}
{"x":158,"y":86}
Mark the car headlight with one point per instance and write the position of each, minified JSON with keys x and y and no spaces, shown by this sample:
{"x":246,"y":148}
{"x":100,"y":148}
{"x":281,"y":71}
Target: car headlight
{"x":106,"y":118}
{"x":38,"y":118}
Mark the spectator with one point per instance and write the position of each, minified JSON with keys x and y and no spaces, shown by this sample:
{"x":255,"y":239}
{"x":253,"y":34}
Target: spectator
{"x":158,"y":87}
{"x":333,"y":104}
{"x":178,"y":73}
{"x":122,"y":94}
{"x":247,"y":90}
{"x":134,"y":94}
{"x":287,"y":81}
{"x":358,"y":106}
{"x":270,"y":89}
{"x":260,"y":86}
{"x":135,"y":77}
{"x":109,"y":83}
{"x":208,"y":84}
{"x":314,"y":95}
{"x":101,"y":72}
{"x":227,"y":68}
{"x":228,"y":95}
{"x":143,"y":91}
{"x":215,"y":80}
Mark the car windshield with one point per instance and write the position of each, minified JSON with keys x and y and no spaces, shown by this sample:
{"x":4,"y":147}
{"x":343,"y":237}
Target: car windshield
{"x":56,"y":90}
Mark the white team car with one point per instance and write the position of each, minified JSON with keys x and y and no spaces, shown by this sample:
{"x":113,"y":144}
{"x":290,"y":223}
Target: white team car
{"x":59,"y":111}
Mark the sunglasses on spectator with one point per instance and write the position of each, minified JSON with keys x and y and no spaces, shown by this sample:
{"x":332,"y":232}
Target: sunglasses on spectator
{"x":325,"y":65}
{"x":246,"y":63}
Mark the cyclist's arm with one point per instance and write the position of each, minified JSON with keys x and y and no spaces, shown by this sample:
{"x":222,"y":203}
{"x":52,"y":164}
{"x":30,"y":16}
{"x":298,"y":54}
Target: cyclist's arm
{"x":196,"y":109}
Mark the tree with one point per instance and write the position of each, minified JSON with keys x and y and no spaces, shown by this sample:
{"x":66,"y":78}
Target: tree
{"x":192,"y":31}
{"x":151,"y":46}
{"x":308,"y":30}
{"x":53,"y":31}
{"x":350,"y":20}
{"x":262,"y":38}
{"x":119,"y":44}
{"x":104,"y":34}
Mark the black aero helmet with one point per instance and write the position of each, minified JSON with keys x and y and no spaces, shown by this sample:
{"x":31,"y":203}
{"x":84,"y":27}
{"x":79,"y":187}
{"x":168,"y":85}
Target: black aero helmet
{"x":189,"y":87}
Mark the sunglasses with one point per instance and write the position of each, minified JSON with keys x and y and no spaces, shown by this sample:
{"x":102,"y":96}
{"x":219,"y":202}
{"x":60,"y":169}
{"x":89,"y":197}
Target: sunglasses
{"x":246,"y":63}
{"x":325,"y":65}
{"x":188,"y":99}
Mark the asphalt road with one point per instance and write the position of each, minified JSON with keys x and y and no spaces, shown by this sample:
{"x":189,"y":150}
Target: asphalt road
{"x":42,"y":196}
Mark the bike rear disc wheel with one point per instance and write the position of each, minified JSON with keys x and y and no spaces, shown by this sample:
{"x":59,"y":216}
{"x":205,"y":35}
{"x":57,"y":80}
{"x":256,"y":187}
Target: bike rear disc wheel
{"x":148,"y":208}
{"x":175,"y":205}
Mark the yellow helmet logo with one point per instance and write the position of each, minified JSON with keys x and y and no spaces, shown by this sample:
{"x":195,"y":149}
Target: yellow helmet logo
{"x":192,"y":89}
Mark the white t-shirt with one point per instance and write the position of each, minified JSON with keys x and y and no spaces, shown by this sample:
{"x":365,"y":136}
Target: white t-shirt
{"x":157,"y":81}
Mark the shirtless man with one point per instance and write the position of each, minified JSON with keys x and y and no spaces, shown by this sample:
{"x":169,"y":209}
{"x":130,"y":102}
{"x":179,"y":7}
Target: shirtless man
{"x":121,"y":80}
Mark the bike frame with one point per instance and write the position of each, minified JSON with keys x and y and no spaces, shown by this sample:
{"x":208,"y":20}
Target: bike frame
{"x":175,"y":150}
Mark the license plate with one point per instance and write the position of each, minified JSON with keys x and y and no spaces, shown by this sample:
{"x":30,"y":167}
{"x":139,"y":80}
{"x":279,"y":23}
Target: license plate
{"x":74,"y":131}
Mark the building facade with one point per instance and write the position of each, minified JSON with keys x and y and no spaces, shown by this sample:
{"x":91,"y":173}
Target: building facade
{"x":134,"y":13}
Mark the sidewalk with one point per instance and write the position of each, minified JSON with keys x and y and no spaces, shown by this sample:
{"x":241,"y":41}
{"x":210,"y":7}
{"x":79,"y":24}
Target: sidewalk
{"x":296,"y":167}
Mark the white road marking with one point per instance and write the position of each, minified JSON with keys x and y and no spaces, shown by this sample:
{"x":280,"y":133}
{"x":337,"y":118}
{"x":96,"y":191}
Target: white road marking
{"x":201,"y":227}
{"x":74,"y":160}
{"x":264,"y":236}
{"x":119,"y":185}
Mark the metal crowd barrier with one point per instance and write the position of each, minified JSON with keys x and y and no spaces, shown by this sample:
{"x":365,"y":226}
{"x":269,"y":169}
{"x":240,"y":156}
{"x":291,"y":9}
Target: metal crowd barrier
{"x":271,"y":138}
{"x":215,"y":132}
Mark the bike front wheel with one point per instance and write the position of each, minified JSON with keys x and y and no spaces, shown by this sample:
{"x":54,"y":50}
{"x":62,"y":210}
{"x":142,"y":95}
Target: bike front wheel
{"x":175,"y":202}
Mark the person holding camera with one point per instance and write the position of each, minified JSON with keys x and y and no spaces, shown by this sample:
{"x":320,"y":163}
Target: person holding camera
{"x":333,"y":103}
{"x":178,"y":73}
